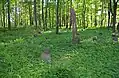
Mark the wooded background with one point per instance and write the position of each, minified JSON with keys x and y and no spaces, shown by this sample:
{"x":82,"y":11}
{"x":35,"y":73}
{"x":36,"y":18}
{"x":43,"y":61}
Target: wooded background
{"x":46,"y":14}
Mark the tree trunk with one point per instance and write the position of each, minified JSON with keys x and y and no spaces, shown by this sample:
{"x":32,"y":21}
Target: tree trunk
{"x":102,"y":17}
{"x":50,"y":18}
{"x":43,"y":15}
{"x":95,"y":14}
{"x":46,"y":15}
{"x":83,"y":14}
{"x":3,"y":15}
{"x":57,"y":19}
{"x":67,"y":16}
{"x":60,"y":23}
{"x":114,"y":14}
{"x":70,"y":18}
{"x":30,"y":15}
{"x":9,"y":24}
{"x":15,"y":22}
{"x":109,"y":15}
{"x":39,"y":16}
{"x":35,"y":14}
{"x":1,"y":21}
{"x":91,"y":17}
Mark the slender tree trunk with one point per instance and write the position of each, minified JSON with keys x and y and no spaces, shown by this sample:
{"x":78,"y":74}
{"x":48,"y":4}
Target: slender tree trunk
{"x":70,"y":17}
{"x":67,"y":15}
{"x":64,"y":19}
{"x":59,"y":15}
{"x":30,"y":15}
{"x":6,"y":20}
{"x":53,"y":17}
{"x":102,"y":17}
{"x":83,"y":14}
{"x":50,"y":18}
{"x":3,"y":15}
{"x":95,"y":14}
{"x":35,"y":14}
{"x":114,"y":14}
{"x":105,"y":20}
{"x":1,"y":21}
{"x":91,"y":17}
{"x":39,"y":16}
{"x":57,"y":19}
{"x":9,"y":24}
{"x":15,"y":23}
{"x":43,"y":14}
{"x":87,"y":19}
{"x":46,"y":15}
{"x":109,"y":15}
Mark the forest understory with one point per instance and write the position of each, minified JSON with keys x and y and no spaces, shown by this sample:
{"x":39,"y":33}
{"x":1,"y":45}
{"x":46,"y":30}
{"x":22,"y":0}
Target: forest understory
{"x":20,"y":54}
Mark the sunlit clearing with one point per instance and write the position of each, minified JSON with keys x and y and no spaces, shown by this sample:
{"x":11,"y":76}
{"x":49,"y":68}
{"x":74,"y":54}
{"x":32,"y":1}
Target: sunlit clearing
{"x":93,"y":27}
{"x":48,"y":32}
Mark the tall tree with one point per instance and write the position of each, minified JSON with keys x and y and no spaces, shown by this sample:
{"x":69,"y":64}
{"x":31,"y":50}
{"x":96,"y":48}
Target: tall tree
{"x":109,"y":12}
{"x":83,"y":13}
{"x":95,"y":13}
{"x":3,"y":12}
{"x":43,"y":14}
{"x":102,"y":18}
{"x":15,"y":22}
{"x":39,"y":16}
{"x":70,"y":18}
{"x":57,"y":19}
{"x":30,"y":13}
{"x":46,"y":6}
{"x":9,"y":24}
{"x":35,"y":14}
{"x":114,"y":13}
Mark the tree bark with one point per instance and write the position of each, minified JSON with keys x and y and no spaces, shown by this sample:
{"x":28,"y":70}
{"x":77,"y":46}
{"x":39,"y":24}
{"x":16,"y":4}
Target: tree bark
{"x":109,"y":15}
{"x":114,"y":14}
{"x":35,"y":14}
{"x":15,"y":22}
{"x":3,"y":14}
{"x":46,"y":14}
{"x":95,"y":24}
{"x":43,"y":15}
{"x":9,"y":24}
{"x":57,"y":19}
{"x":30,"y":15}
{"x":102,"y":17}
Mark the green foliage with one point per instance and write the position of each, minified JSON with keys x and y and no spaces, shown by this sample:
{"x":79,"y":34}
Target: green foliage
{"x":20,"y":55}
{"x":58,"y":73}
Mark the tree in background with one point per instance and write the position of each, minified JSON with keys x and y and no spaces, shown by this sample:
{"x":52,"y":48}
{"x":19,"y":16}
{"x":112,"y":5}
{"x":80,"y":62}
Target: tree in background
{"x":57,"y":16}
{"x":35,"y":14}
{"x":9,"y":23}
{"x":48,"y":14}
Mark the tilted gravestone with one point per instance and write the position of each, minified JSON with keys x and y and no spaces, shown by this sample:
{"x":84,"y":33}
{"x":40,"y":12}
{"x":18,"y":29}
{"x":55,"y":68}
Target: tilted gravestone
{"x":75,"y":38}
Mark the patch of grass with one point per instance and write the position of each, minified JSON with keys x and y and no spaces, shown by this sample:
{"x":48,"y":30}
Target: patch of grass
{"x":20,"y":55}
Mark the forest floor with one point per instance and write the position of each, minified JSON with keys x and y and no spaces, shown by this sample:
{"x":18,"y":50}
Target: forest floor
{"x":20,"y":55}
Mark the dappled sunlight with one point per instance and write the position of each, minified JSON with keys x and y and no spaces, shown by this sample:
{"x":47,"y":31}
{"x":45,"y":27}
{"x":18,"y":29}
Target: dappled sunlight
{"x":20,"y":40}
{"x":94,"y":27}
{"x":48,"y":31}
{"x":25,"y":52}
{"x":66,"y":57}
{"x":59,"y":39}
{"x":87,"y":40}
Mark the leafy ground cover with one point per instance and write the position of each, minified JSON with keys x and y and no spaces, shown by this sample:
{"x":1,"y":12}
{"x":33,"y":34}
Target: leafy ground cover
{"x":20,"y":55}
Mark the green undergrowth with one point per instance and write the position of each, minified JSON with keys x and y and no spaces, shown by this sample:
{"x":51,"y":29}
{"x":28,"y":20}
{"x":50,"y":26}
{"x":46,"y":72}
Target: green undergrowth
{"x":20,"y":55}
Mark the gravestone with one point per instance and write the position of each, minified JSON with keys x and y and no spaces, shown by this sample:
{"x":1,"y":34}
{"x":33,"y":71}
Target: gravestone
{"x":75,"y":35}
